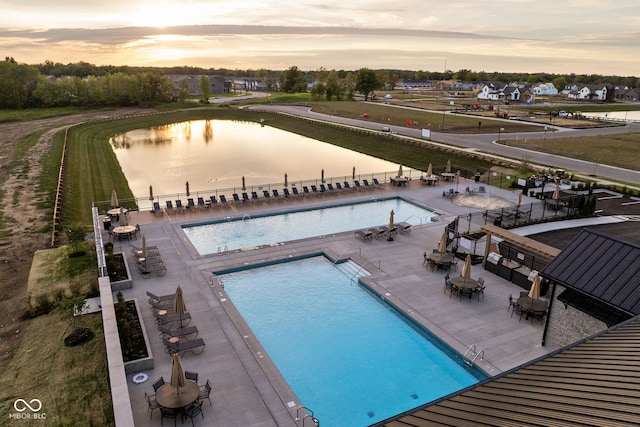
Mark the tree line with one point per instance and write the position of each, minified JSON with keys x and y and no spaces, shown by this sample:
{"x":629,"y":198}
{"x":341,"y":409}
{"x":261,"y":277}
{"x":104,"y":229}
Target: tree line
{"x":52,"y":84}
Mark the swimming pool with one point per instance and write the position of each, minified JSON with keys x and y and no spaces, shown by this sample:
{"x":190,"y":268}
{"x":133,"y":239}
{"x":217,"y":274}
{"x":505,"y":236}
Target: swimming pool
{"x":245,"y":232}
{"x":348,"y":357}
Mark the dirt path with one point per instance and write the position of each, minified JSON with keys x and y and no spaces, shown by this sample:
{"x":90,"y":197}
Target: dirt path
{"x":22,"y":220}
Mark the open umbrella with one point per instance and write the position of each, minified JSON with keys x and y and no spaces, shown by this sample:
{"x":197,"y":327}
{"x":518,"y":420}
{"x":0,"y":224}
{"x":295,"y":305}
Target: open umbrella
{"x":286,"y":180}
{"x":400,"y":171}
{"x":448,"y":168}
{"x":177,"y":373}
{"x":430,"y":170}
{"x":150,"y":192}
{"x":391,"y":219}
{"x":442,"y":244}
{"x":534,"y":292}
{"x":186,"y":184}
{"x":466,"y":267}
{"x":114,"y":199}
{"x":178,"y":304}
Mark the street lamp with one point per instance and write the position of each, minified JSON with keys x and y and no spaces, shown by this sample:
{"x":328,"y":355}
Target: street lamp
{"x":500,"y":133}
{"x":545,"y":133}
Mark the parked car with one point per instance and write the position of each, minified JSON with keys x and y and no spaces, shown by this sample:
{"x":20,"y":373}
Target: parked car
{"x":563,"y":114}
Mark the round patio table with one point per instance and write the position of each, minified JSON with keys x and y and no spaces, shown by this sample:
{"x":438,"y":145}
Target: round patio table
{"x":168,"y":397}
{"x":461,"y":282}
{"x":531,"y":304}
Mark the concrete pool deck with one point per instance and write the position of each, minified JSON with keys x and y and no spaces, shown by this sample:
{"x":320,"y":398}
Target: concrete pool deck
{"x":247,"y":388}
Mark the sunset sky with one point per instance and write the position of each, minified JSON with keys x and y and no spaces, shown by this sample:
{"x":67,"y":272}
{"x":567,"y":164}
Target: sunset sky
{"x":560,"y":36}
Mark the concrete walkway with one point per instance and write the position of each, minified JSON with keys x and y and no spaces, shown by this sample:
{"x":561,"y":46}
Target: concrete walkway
{"x":247,"y":389}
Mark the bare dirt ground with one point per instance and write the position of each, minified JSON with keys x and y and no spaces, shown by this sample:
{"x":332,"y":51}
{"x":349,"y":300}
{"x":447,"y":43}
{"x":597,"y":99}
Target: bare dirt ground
{"x":23,"y":221}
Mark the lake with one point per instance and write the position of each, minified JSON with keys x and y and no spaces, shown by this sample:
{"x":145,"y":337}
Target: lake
{"x":216,"y":154}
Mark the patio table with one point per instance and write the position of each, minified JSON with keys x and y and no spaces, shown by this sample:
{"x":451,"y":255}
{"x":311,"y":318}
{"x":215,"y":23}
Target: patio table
{"x":168,"y":397}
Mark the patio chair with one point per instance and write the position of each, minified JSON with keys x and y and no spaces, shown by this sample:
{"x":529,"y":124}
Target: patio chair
{"x":169,"y":205}
{"x":254,"y":196}
{"x":193,"y":411}
{"x":323,"y":188}
{"x":191,"y":376}
{"x":201,"y":203}
{"x":245,"y":197}
{"x":276,"y":194}
{"x":358,"y":186}
{"x":480,"y":290}
{"x":537,"y":315}
{"x":347,"y":186}
{"x":266,"y":196}
{"x":170,"y":414}
{"x":286,"y":192}
{"x":338,"y":186}
{"x":519,"y":310}
{"x":314,"y":190}
{"x":376,"y":182}
{"x":236,"y":198}
{"x":179,"y":332}
{"x":179,"y":206}
{"x":305,"y":190}
{"x":156,"y":208}
{"x":214,"y":201}
{"x":205,"y":392}
{"x":190,"y":203}
{"x":153,"y":405}
{"x":171,"y":318}
{"x":512,"y":303}
{"x":466,"y":292}
{"x":330,"y":187}
{"x":159,"y":383}
{"x":295,"y":191}
{"x":223,"y":200}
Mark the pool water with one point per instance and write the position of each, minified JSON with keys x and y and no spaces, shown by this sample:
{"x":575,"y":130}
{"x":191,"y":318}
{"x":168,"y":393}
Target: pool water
{"x":348,"y":357}
{"x":245,"y":232}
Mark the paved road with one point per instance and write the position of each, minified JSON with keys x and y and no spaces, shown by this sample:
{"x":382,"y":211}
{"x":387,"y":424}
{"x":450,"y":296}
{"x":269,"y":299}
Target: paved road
{"x":487,"y":143}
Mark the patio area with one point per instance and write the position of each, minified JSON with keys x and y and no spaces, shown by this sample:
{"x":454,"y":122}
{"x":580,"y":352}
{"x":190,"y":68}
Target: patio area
{"x":247,"y":390}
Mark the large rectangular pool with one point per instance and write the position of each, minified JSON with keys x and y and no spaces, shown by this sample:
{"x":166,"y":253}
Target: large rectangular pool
{"x":245,"y":232}
{"x":349,"y":357}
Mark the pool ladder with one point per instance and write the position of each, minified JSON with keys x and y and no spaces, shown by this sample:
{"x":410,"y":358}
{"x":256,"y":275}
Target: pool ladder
{"x":308,"y":415}
{"x":471,"y":355}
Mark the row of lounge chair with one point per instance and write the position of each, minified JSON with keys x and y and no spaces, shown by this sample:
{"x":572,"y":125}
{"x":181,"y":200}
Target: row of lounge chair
{"x":253,"y":196}
{"x":175,"y":332}
{"x":383,"y":231}
{"x":151,"y":263}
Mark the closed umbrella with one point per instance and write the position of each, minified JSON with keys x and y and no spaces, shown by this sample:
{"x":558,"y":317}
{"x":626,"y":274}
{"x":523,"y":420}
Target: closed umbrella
{"x":114,"y":199}
{"x":177,"y":373}
{"x":286,"y":180}
{"x":448,"y":168}
{"x":534,"y":292}
{"x":122,"y":218}
{"x":322,"y":175}
{"x":391,"y":219}
{"x":144,"y":247}
{"x":150,"y":192}
{"x":519,"y":200}
{"x":244,"y":187}
{"x":556,"y":193}
{"x":178,"y":304}
{"x":186,"y":184}
{"x":430,"y":170}
{"x":442,"y":244}
{"x":400,"y":171}
{"x":353,"y":174}
{"x":466,"y":267}
{"x":457,"y":179}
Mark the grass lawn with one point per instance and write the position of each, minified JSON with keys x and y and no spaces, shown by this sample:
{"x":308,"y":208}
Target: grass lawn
{"x":621,"y":150}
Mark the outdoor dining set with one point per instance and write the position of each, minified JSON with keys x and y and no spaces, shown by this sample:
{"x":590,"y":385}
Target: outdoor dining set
{"x":529,"y":304}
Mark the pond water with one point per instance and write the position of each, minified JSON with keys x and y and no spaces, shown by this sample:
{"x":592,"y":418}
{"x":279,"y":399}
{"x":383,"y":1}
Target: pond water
{"x":216,"y":154}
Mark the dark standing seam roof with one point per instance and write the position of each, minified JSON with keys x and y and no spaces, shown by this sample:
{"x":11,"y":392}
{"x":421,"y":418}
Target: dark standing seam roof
{"x":593,"y":383}
{"x":602,"y":267}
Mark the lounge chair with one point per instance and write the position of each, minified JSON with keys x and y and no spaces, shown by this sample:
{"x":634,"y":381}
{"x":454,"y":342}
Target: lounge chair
{"x":201,"y":203}
{"x":179,"y":332}
{"x":169,"y":205}
{"x":305,"y":190}
{"x":179,"y":206}
{"x":338,"y":186}
{"x":156,"y":208}
{"x":357,"y":185}
{"x":160,"y":298}
{"x":214,"y":201}
{"x":254,"y":196}
{"x":146,"y":270}
{"x":403,"y":227}
{"x":223,"y":200}
{"x":266,"y":195}
{"x":190,"y":203}
{"x":366,"y":184}
{"x":330,"y":187}
{"x":323,"y":189}
{"x":347,"y":186}
{"x":245,"y":197}
{"x":136,"y":251}
{"x":236,"y":198}
{"x":295,"y":191}
{"x":286,"y":192}
{"x":314,"y":190}
{"x":364,"y":235}
{"x":276,"y":194}
{"x":181,"y":347}
{"x":161,"y":305}
{"x":376,"y":182}
{"x":171,"y":318}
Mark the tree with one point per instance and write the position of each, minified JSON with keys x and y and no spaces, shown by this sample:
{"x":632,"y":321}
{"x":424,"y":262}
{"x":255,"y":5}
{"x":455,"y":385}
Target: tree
{"x":332,"y":89}
{"x":205,"y":88}
{"x":292,"y":80}
{"x":560,"y":83}
{"x":366,"y":82}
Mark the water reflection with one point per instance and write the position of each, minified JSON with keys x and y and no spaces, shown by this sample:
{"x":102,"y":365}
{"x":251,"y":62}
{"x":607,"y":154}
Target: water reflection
{"x":216,"y":154}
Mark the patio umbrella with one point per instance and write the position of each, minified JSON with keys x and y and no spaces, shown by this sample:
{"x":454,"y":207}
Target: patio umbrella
{"x":186,"y":184}
{"x":114,"y":199}
{"x":442,"y":244}
{"x":144,"y":247}
{"x":457,"y":179}
{"x":534,"y":292}
{"x":177,"y":373}
{"x":353,"y":174}
{"x":448,"y":168}
{"x":244,"y":187}
{"x":322,"y":175}
{"x":178,"y":304}
{"x":466,"y":267}
{"x":400,"y":171}
{"x":519,"y":200}
{"x":122,"y":218}
{"x":285,"y":180}
{"x":150,"y":192}
{"x":430,"y":170}
{"x":556,"y":193}
{"x":391,"y":219}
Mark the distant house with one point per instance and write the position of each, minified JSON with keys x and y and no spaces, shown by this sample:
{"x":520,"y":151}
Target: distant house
{"x":497,"y":91}
{"x":626,"y":94}
{"x":601,"y":92}
{"x":192,"y":82}
{"x":408,"y":84}
{"x":547,"y":89}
